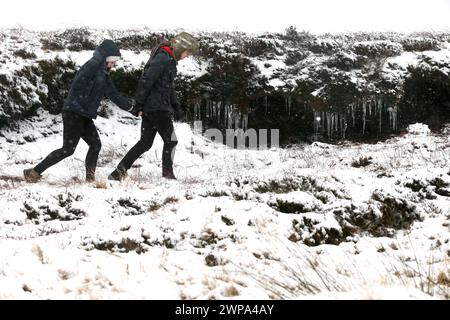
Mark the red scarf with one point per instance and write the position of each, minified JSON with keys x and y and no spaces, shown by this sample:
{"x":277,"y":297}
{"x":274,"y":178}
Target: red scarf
{"x":168,"y":50}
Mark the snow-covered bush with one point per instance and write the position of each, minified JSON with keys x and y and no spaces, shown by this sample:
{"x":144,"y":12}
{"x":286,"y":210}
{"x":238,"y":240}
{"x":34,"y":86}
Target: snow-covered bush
{"x":293,"y":57}
{"x":234,"y":78}
{"x":140,"y":42}
{"x":24,"y":54}
{"x":426,"y":95}
{"x":346,"y":61}
{"x":76,"y":39}
{"x":256,"y":47}
{"x":376,"y":49}
{"x":44,"y":83}
{"x":324,"y":46}
{"x":56,"y":75}
{"x":126,"y":80}
{"x":298,"y":38}
{"x":18,"y":98}
{"x":415,"y":44}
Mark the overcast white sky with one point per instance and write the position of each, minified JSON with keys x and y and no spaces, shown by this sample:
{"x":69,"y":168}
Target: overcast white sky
{"x":244,"y":15}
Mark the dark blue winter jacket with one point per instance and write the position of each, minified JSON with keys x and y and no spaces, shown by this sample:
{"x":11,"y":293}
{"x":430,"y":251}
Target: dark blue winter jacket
{"x":156,"y":90}
{"x":92,"y":83}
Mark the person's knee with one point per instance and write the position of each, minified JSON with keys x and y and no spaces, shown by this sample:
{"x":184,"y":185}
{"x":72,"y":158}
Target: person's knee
{"x":171,"y":142}
{"x":68,"y":151}
{"x":144,"y":145}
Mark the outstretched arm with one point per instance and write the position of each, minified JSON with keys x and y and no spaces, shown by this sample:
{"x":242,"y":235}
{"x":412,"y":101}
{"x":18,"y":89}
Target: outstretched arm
{"x":112,"y":94}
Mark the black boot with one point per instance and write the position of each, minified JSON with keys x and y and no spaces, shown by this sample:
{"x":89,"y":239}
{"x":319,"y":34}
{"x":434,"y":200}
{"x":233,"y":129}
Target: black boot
{"x":90,"y":176}
{"x":31,"y":175}
{"x":119,"y":174}
{"x":168,"y":173}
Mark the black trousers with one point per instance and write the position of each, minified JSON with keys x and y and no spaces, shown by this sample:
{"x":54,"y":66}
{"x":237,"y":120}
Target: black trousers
{"x":153,"y":122}
{"x":75,"y":127}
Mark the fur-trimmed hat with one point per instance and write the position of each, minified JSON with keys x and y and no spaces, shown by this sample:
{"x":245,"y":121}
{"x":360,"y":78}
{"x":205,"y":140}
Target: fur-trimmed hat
{"x":112,"y":59}
{"x":184,"y":42}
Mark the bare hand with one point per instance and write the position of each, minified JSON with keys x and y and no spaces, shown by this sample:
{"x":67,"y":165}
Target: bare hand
{"x":140,"y":114}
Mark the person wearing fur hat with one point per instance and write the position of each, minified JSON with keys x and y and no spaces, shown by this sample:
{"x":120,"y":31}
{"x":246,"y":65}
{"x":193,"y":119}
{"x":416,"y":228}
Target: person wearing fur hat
{"x":156,"y":103}
{"x":90,"y":85}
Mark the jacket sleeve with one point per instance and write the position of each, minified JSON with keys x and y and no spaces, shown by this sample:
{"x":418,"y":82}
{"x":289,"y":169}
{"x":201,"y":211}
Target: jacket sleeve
{"x":154,"y":70}
{"x":114,"y":95}
{"x":174,"y":101}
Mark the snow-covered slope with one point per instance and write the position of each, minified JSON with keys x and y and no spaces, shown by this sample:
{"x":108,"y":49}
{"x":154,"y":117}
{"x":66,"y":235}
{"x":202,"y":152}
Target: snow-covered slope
{"x":341,"y":86}
{"x":313,"y":221}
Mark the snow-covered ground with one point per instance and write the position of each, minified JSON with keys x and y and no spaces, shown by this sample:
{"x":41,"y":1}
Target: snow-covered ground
{"x":315,"y":221}
{"x":311,"y":221}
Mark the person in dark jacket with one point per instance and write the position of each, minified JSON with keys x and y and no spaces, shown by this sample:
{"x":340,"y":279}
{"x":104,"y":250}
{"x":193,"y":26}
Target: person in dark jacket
{"x":156,"y":102}
{"x":90,"y":85}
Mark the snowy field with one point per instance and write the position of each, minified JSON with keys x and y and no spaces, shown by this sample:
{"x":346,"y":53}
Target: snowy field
{"x":345,"y":221}
{"x":314,"y":221}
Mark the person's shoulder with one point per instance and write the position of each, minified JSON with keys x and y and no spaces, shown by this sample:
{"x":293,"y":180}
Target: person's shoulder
{"x":92,"y":64}
{"x":163,"y":56}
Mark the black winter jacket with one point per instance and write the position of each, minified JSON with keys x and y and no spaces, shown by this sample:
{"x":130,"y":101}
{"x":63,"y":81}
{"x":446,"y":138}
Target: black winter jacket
{"x":156,"y":90}
{"x":92,"y":83}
